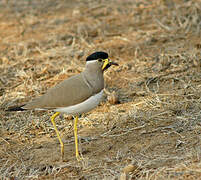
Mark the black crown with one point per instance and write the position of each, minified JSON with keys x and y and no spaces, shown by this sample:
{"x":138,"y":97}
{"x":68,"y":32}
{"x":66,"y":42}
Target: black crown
{"x":97,"y":55}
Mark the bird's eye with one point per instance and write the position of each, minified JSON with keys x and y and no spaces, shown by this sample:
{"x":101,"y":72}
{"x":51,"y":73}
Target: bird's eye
{"x":100,"y":60}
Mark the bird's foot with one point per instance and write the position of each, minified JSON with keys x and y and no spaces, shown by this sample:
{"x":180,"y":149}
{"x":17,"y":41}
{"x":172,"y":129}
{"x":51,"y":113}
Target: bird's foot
{"x":79,"y":158}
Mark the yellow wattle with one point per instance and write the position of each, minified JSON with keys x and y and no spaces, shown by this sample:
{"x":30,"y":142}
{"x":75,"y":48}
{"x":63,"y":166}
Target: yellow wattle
{"x":106,"y":62}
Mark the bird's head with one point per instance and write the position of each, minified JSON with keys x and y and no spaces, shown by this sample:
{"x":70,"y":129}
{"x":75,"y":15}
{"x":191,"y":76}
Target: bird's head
{"x":101,"y":59}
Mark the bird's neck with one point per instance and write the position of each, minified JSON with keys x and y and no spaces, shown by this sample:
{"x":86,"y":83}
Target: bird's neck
{"x":94,"y":78}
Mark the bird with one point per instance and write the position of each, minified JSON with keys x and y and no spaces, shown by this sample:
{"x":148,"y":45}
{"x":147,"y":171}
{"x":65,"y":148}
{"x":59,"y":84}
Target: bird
{"x":75,"y":95}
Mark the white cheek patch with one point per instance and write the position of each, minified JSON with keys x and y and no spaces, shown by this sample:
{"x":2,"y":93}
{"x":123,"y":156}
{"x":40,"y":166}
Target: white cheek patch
{"x":91,"y":61}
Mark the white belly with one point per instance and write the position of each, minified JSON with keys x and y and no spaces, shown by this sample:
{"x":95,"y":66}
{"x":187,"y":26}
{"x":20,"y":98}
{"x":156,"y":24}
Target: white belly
{"x":83,"y":107}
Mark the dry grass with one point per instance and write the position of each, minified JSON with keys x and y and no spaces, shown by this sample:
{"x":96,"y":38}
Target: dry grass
{"x":153,"y":133}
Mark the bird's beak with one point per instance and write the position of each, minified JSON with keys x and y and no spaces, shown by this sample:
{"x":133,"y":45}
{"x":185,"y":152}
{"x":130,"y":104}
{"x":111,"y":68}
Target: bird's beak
{"x":107,"y":63}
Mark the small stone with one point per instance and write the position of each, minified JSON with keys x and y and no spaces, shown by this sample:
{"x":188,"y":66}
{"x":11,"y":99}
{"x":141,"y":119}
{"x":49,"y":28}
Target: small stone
{"x":113,"y":98}
{"x":129,"y":168}
{"x":69,"y":117}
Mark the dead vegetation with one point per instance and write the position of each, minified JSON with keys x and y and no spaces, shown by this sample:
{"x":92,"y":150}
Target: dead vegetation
{"x":151,"y":132}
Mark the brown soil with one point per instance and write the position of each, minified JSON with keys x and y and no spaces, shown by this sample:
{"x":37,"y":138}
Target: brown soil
{"x":154,"y":130}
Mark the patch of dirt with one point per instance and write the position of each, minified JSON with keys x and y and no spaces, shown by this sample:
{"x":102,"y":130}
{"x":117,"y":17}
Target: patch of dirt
{"x":154,"y":130}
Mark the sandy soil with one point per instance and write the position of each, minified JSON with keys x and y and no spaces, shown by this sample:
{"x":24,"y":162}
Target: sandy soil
{"x":154,"y":130}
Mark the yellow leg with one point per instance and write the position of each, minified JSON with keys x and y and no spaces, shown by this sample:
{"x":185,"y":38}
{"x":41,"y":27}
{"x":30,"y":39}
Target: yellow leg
{"x":57,"y":132}
{"x":76,"y":140}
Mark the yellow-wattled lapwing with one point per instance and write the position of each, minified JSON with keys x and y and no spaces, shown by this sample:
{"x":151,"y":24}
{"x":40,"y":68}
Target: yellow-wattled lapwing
{"x":75,"y":95}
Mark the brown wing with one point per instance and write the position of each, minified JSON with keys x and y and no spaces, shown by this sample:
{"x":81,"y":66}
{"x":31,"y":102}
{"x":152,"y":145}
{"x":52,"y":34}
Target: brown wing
{"x":69,"y":92}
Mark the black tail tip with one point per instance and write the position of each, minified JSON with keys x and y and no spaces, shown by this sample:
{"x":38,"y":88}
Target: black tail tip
{"x":16,"y":108}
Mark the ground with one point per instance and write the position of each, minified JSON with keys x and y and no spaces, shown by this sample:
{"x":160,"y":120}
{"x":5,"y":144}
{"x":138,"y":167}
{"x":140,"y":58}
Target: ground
{"x":151,"y":132}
